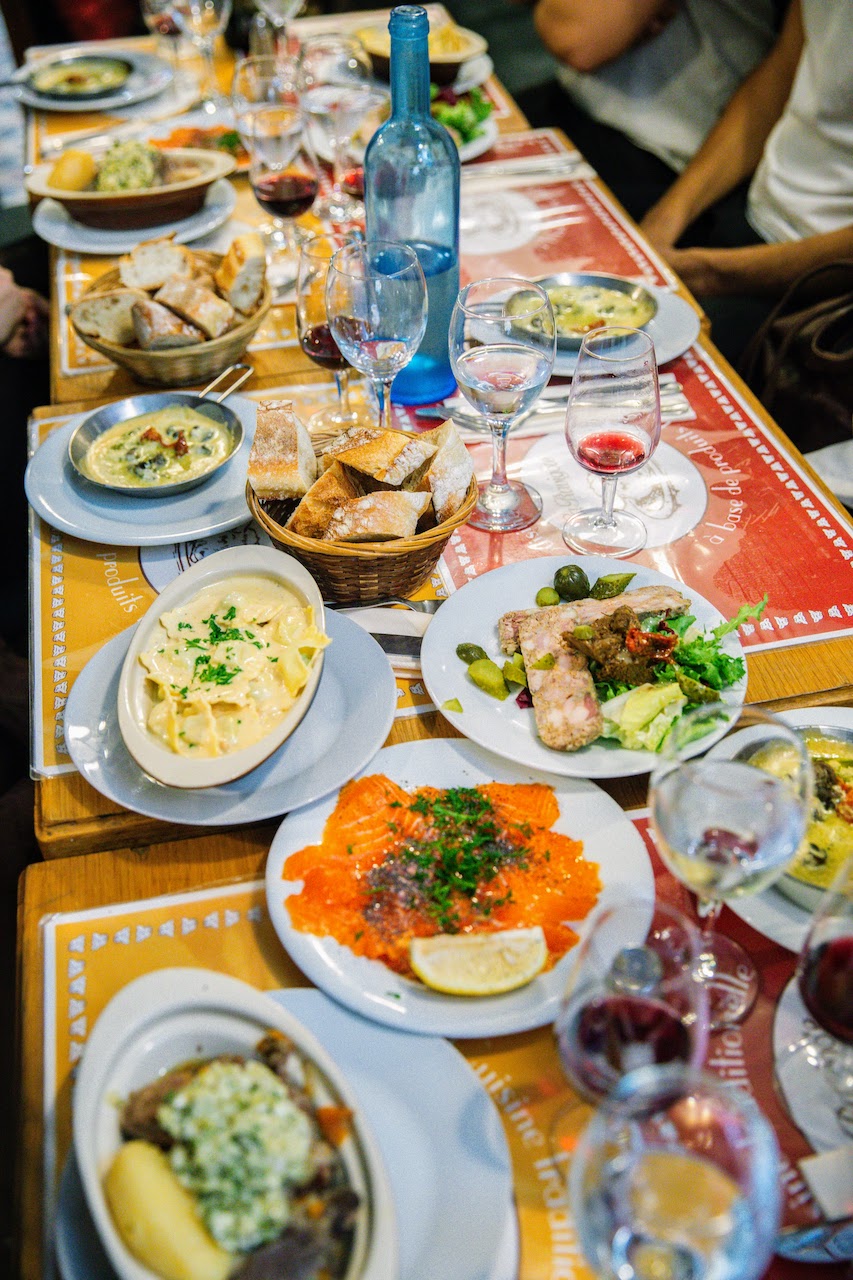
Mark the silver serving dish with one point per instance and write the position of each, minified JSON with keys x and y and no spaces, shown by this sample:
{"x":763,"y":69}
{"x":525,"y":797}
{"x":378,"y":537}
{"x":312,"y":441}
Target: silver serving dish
{"x":121,"y":66}
{"x":637,"y":292}
{"x":91,"y":428}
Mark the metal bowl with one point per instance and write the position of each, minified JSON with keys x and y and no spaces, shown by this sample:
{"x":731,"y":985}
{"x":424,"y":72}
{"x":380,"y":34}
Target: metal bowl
{"x":121,"y":66}
{"x":640,"y":295}
{"x":91,"y":428}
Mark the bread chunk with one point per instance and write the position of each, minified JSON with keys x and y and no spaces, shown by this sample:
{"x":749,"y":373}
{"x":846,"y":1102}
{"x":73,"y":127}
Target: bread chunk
{"x":332,"y":490}
{"x":390,"y":457}
{"x":159,"y":329}
{"x":448,"y":473}
{"x":346,"y":440}
{"x":377,"y":517}
{"x":150,"y":264}
{"x":109,"y":315}
{"x":242,"y":272}
{"x":196,"y":304}
{"x":281,"y":460}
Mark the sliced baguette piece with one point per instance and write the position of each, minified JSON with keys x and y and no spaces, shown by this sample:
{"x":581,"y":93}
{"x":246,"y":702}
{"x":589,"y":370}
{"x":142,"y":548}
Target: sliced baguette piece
{"x":377,"y":517}
{"x":332,"y":490}
{"x":196,"y":304}
{"x":448,"y":473}
{"x":346,"y":440}
{"x":109,"y":315}
{"x":150,"y":264}
{"x":390,"y":457}
{"x":241,"y":274}
{"x":158,"y":329}
{"x":281,"y":460}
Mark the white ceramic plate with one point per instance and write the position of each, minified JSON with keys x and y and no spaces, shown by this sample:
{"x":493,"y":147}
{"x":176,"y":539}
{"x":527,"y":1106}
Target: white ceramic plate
{"x":170,"y":1016}
{"x":54,"y":224}
{"x":470,"y":616}
{"x":346,"y":725}
{"x":444,"y":1150}
{"x":150,"y":76}
{"x":473,"y":73}
{"x":476,"y":147}
{"x":673,"y":330}
{"x":135,"y":698}
{"x":223,"y":117}
{"x":772,"y":913}
{"x":368,"y":986}
{"x":59,"y":496}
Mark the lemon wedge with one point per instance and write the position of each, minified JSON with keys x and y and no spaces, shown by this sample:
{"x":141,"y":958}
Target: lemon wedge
{"x":479,"y":964}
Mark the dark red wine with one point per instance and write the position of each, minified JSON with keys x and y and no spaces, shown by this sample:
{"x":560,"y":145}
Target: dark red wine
{"x":606,"y":452}
{"x":826,"y":985}
{"x":287,"y":195}
{"x":352,"y":182}
{"x":319,"y":345}
{"x":608,"y":1037}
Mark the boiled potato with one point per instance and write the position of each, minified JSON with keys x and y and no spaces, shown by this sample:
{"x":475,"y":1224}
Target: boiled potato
{"x":73,"y":171}
{"x":157,"y":1218}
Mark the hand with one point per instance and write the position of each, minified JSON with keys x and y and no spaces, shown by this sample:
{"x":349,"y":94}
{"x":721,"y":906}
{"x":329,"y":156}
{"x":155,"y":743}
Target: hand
{"x":29,"y":337}
{"x":699,"y":269}
{"x":662,"y":225}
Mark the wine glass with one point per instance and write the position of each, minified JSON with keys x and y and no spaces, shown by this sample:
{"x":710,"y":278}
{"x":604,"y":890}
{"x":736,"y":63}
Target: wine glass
{"x":376,"y":302}
{"x":202,"y":21}
{"x":158,"y":18}
{"x":681,"y":1182}
{"x":335,"y":81}
{"x":726,"y":826}
{"x":823,"y":1054}
{"x":501,"y":341}
{"x":612,"y":427}
{"x":315,"y":334}
{"x":279,"y":13}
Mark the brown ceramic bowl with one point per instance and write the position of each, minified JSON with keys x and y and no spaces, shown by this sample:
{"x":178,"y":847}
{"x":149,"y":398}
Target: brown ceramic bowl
{"x":179,"y":196}
{"x":450,"y":47}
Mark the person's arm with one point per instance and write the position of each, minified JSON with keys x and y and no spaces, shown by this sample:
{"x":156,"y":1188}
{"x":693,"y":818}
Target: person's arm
{"x":587,"y":35}
{"x":757,"y":269}
{"x":13,"y":306}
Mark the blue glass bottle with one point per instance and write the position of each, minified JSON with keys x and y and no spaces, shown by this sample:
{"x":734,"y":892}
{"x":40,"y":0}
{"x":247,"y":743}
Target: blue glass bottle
{"x":411,"y":193}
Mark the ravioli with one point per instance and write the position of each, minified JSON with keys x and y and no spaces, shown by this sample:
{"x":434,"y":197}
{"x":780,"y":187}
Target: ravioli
{"x":227,"y":665}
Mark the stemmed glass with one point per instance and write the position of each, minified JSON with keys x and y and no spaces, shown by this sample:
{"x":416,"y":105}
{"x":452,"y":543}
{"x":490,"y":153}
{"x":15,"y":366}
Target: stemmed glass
{"x":202,"y":21}
{"x":681,"y":1182}
{"x":335,"y":80}
{"x":157,"y":16}
{"x":726,"y":826}
{"x":501,"y":341}
{"x":279,"y":13}
{"x":376,"y":301}
{"x":823,"y":1054}
{"x":612,"y":427}
{"x":315,"y":335}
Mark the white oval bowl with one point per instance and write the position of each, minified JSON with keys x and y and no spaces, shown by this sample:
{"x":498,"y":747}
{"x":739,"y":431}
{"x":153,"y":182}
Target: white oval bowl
{"x":165,"y":1018}
{"x":135,"y":699}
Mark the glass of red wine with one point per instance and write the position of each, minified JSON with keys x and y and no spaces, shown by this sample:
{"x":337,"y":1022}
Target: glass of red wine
{"x":612,"y":428}
{"x":315,"y":334}
{"x":502,"y":344}
{"x":821,"y":1059}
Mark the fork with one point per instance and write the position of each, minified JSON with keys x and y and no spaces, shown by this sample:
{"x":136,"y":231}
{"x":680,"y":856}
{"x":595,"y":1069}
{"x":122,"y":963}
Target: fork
{"x":419,"y":606}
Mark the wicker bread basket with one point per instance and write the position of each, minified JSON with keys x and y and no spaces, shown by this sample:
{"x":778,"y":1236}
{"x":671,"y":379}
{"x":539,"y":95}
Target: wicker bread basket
{"x":360,"y":572}
{"x":178,"y":366}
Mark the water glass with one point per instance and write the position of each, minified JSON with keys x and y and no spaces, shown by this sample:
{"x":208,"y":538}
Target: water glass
{"x":202,"y":21}
{"x":502,"y":344}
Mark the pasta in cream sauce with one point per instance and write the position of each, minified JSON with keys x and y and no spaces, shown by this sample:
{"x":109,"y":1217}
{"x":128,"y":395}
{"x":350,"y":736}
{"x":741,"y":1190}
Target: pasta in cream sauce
{"x":228,"y":664}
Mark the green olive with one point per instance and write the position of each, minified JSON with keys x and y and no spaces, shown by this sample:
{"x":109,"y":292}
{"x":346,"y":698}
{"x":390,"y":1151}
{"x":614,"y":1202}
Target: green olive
{"x":470,"y":653}
{"x":514,"y":672}
{"x":571,"y":583}
{"x":612,"y":584}
{"x":547,"y":595}
{"x":488,"y":676}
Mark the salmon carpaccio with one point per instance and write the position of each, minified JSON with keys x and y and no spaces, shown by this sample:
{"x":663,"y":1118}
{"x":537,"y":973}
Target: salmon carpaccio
{"x":364,"y":884}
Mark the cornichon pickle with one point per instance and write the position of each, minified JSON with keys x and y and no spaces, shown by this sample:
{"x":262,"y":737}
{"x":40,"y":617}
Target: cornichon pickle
{"x":488,"y":676}
{"x":571,"y":583}
{"x":452,"y":704}
{"x":514,"y":673}
{"x":612,"y":584}
{"x":547,"y":595}
{"x":694,"y":691}
{"x":470,"y":653}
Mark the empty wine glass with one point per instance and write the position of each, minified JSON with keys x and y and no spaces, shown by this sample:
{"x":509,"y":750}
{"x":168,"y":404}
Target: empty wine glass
{"x":502,"y":338}
{"x":612,"y":427}
{"x":682,"y":1182}
{"x":279,"y":13}
{"x":315,"y":334}
{"x":726,"y":826}
{"x":202,"y":21}
{"x":821,"y":1059}
{"x":376,"y":302}
{"x":335,"y":80}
